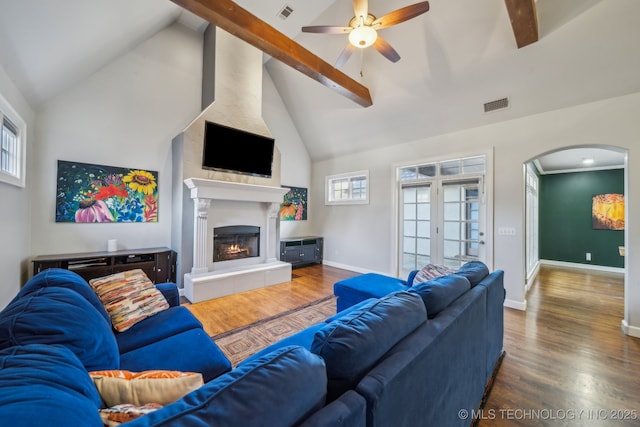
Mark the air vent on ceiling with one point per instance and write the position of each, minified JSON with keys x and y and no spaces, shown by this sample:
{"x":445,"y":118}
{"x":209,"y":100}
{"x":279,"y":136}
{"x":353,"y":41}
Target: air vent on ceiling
{"x":285,"y":12}
{"x":498,"y":104}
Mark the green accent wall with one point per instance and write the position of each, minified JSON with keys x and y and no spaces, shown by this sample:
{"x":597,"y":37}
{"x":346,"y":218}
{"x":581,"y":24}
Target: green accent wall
{"x":565,"y":227}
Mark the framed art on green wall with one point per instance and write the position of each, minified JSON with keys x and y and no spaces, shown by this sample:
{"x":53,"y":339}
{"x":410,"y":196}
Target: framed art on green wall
{"x":607,"y":211}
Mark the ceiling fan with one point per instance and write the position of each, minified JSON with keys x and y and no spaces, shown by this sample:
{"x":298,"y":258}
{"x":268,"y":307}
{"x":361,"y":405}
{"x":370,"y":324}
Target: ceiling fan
{"x":363,"y":29}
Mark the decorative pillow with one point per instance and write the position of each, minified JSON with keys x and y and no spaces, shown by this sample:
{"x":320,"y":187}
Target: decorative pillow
{"x":431,"y":271}
{"x":438,"y":293}
{"x":119,"y":414}
{"x":128,"y":297}
{"x":119,"y":387}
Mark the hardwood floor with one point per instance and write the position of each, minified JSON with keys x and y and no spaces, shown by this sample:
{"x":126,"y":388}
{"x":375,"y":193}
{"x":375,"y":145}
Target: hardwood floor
{"x":567,"y":361}
{"x":308,"y":284}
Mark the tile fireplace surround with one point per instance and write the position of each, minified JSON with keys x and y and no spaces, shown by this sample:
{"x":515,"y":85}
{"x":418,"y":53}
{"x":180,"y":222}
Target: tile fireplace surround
{"x":214,"y":204}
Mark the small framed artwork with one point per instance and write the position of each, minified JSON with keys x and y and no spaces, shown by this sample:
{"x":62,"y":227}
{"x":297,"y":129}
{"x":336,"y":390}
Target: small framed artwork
{"x":89,"y":193}
{"x":607,"y":211}
{"x":294,"y":205}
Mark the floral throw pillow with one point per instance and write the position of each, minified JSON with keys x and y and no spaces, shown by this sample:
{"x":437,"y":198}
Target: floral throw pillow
{"x":128,"y":297}
{"x":120,"y":414}
{"x":431,"y":271}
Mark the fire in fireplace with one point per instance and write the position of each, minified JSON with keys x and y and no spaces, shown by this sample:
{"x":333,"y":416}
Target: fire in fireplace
{"x":235,"y":242}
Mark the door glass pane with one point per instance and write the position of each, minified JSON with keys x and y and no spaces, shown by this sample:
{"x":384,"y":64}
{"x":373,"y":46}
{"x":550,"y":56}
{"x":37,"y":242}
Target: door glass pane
{"x":409,"y":195}
{"x":450,"y":168}
{"x":452,"y":230}
{"x":424,"y":229}
{"x":426,"y":171}
{"x":424,"y":247}
{"x":409,"y":245}
{"x":461,"y":232}
{"x":410,"y":228}
{"x":416,"y":222}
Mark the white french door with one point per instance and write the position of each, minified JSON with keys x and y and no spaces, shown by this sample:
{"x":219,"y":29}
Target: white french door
{"x":441,"y":223}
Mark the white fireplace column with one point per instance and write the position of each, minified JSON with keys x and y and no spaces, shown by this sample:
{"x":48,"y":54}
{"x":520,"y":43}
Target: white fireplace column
{"x":200,"y":222}
{"x":273,"y":232}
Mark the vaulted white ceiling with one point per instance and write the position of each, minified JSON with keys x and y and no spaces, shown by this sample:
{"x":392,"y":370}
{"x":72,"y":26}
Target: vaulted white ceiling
{"x":456,"y":57}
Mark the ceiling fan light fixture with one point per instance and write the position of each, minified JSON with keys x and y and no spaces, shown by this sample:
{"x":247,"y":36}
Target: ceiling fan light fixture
{"x":363,"y":36}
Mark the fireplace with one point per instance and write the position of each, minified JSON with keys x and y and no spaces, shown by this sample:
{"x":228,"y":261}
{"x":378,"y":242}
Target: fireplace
{"x":235,"y":242}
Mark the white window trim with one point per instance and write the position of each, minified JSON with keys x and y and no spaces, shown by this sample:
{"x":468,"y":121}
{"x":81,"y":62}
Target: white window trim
{"x":6,"y":110}
{"x":327,"y":187}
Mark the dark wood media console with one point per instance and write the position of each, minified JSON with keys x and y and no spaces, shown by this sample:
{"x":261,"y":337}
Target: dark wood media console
{"x":159,"y":264}
{"x":301,"y":250}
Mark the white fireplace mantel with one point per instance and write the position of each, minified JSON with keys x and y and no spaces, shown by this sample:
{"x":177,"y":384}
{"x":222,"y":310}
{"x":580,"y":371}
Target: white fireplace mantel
{"x":203,"y":284}
{"x":224,"y":190}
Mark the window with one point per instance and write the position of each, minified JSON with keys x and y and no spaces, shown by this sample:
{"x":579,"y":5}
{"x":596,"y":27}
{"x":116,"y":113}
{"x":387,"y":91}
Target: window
{"x":531,"y":216}
{"x":12,"y":151}
{"x":441,"y":213}
{"x":349,"y":188}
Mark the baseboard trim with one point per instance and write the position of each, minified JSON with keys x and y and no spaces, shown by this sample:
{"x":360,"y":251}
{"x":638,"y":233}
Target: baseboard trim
{"x":352,"y":268}
{"x":518,"y":305}
{"x":632,"y":331}
{"x":580,"y":266}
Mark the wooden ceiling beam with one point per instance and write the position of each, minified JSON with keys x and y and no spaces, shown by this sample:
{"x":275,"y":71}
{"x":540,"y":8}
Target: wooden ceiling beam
{"x":524,"y":21}
{"x":235,"y":20}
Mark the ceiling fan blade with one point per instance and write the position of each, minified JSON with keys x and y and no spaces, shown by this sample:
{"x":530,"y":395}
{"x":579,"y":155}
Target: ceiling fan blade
{"x":400,"y":15}
{"x":345,"y":55}
{"x":386,"y":50}
{"x":326,"y":29}
{"x":361,"y":8}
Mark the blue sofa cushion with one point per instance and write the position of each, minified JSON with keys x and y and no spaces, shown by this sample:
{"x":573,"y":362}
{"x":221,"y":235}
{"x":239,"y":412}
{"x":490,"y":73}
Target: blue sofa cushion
{"x":304,"y":338}
{"x":438,"y":293}
{"x":202,"y":355}
{"x":60,"y":316}
{"x":159,"y":326}
{"x":280,"y":389}
{"x":60,"y":278}
{"x":352,"y":344}
{"x":474,"y":271}
{"x":46,"y":385}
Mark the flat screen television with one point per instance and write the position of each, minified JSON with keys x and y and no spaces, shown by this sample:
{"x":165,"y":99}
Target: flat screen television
{"x":233,"y":150}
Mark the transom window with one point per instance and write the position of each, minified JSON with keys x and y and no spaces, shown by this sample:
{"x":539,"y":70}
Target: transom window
{"x":349,"y":188}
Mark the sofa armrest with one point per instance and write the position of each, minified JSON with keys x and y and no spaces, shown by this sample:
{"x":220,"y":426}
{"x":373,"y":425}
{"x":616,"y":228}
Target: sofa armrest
{"x":170,"y":292}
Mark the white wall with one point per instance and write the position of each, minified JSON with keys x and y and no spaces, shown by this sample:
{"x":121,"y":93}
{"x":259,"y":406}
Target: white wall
{"x":359,"y":236}
{"x":14,"y":206}
{"x":295,"y":170}
{"x":126,"y":114}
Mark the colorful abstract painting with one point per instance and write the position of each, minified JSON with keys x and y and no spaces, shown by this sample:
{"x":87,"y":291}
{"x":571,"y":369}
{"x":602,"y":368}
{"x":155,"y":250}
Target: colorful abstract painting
{"x":96,"y":193}
{"x":294,"y":205}
{"x":607,"y":211}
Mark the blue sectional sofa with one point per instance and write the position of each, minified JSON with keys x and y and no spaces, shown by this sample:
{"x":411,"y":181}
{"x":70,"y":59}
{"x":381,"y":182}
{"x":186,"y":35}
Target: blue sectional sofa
{"x":55,"y":331}
{"x":398,"y":354}
{"x":420,"y":355}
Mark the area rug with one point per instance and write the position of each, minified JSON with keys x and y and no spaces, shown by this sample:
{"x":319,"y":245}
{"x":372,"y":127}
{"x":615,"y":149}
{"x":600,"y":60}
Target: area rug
{"x":241,"y":343}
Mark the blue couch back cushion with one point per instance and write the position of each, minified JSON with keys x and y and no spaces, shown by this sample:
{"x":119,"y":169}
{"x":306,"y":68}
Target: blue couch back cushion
{"x":46,"y":385}
{"x":281,"y":388}
{"x":474,"y":271}
{"x":438,"y":293}
{"x":60,"y":316}
{"x":60,"y":278}
{"x":353,"y":343}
